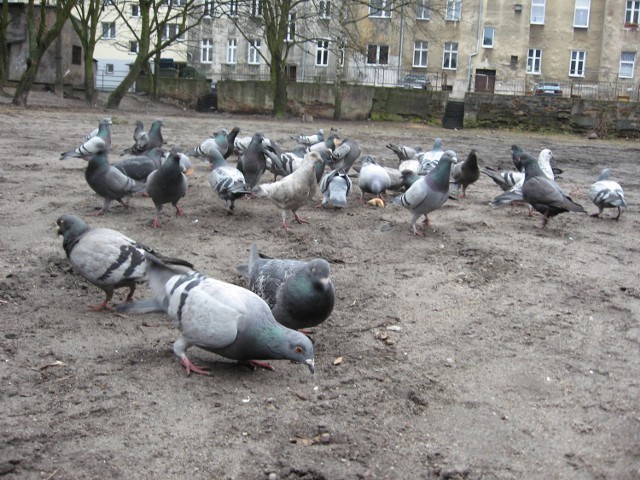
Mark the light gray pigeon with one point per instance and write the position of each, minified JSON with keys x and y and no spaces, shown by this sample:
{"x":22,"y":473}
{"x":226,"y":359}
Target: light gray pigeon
{"x":434,"y":154}
{"x":544,"y":194}
{"x":293,"y":191}
{"x":138,"y":131}
{"x":466,"y":173}
{"x":216,"y":142}
{"x":109,"y":182}
{"x":98,"y":143}
{"x":252,"y":162}
{"x":404,"y":152}
{"x":428,"y":193}
{"x":335,"y":187}
{"x":219,"y":317}
{"x":285,"y":163}
{"x":605,"y":193}
{"x":345,"y":154}
{"x":505,"y":179}
{"x":149,"y":140}
{"x":227,"y":181}
{"x":95,"y":131}
{"x":309,"y":140}
{"x":331,"y":142}
{"x":104,"y":257}
{"x":167,"y":185}
{"x":372,"y":179}
{"x":300,"y":293}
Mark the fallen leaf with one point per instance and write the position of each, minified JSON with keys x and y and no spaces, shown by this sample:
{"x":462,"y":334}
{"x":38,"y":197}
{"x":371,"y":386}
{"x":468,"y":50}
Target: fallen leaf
{"x":57,"y":363}
{"x":337,"y":361}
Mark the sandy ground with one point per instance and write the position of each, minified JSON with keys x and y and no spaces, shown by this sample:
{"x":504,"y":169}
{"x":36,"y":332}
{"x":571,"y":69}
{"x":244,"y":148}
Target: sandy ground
{"x":488,"y":349}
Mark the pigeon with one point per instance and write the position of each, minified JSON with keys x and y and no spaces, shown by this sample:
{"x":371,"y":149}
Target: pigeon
{"x":149,"y":140}
{"x":335,"y":187}
{"x":231,"y":139}
{"x":505,"y":179}
{"x":409,"y":177}
{"x":345,"y":155}
{"x":544,"y":194}
{"x":434,"y":154}
{"x":293,"y":191}
{"x":138,"y":132}
{"x":300,"y":293}
{"x":331,"y":142}
{"x":252,"y":162}
{"x":167,"y":185}
{"x":219,"y":317}
{"x":98,"y":143}
{"x":106,"y":258}
{"x":309,"y":140}
{"x":411,"y":164}
{"x":285,"y":163}
{"x":428,"y":193}
{"x":605,"y":193}
{"x":404,"y":152}
{"x":109,"y":182}
{"x":466,"y":173}
{"x":516,"y":157}
{"x":95,"y":131}
{"x":218,"y":141}
{"x":227,"y":181}
{"x":141,"y":166}
{"x":372,"y":179}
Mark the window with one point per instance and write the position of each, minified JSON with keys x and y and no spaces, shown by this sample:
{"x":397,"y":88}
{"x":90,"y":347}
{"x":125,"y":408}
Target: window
{"x":108,"y":3}
{"x":324,"y":9}
{"x":420,"y":53}
{"x":534,"y":60}
{"x":256,"y":8}
{"x":76,"y":55}
{"x":450,"y":56}
{"x":133,"y":47}
{"x":322,"y":53}
{"x":487,"y":37}
{"x":135,"y":10}
{"x":291,"y":28}
{"x":632,"y":13}
{"x":208,"y":8}
{"x":232,"y":49}
{"x":378,"y":55}
{"x":423,"y":10}
{"x":108,"y":30}
{"x":206,"y":50}
{"x":108,"y":69}
{"x":627,"y":64}
{"x":233,"y":8}
{"x":254,"y":51}
{"x":179,"y":3}
{"x":577,"y":63}
{"x":380,"y":8}
{"x":454,"y":10}
{"x":581,"y":15}
{"x":537,"y":12}
{"x":172,"y":30}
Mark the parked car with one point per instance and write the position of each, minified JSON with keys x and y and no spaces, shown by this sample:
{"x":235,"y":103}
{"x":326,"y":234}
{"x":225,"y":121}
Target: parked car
{"x":415,"y":81}
{"x":547,"y":88}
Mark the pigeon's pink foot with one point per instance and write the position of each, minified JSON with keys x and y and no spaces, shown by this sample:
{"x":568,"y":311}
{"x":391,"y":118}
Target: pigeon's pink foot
{"x":286,"y":226}
{"x":298,"y":219}
{"x":156,"y":223}
{"x":102,"y":306}
{"x":190,"y":367}
{"x":97,"y":213}
{"x":253,"y":364}
{"x":179,"y":211}
{"x":417,"y":232}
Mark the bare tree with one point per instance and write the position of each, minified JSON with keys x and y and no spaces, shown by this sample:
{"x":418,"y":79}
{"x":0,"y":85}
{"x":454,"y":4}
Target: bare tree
{"x":4,"y":51}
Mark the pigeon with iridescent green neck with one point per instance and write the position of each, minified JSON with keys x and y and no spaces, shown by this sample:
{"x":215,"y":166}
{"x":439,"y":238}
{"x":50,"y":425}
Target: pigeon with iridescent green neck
{"x":168,"y":184}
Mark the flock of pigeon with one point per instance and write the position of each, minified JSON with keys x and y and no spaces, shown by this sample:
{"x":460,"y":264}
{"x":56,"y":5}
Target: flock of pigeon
{"x":285,"y":296}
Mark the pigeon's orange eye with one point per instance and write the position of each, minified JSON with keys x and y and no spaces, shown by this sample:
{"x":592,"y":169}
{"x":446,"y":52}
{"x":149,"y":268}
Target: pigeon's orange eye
{"x":298,"y":349}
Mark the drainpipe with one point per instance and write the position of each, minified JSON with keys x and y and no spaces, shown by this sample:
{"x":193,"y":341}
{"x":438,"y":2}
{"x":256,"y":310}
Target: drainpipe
{"x":473,"y":54}
{"x":401,"y":46}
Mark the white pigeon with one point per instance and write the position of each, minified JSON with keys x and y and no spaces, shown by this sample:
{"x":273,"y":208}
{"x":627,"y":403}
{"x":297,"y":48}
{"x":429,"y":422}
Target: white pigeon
{"x":605,"y":193}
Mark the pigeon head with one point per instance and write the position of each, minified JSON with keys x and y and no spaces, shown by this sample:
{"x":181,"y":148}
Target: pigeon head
{"x":298,"y":348}
{"x":604,"y":175}
{"x":71,"y":228}
{"x":318,"y":272}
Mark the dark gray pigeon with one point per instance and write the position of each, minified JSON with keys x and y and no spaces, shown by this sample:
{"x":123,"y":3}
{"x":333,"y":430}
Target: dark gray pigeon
{"x":466,"y":173}
{"x":335,"y":187}
{"x":544,"y":194}
{"x":605,"y":193}
{"x":300,"y":293}
{"x":148,"y":141}
{"x":104,"y":257}
{"x":97,"y":143}
{"x":252,"y":162}
{"x":428,"y":193}
{"x":219,"y":317}
{"x":516,"y":157}
{"x":109,"y":182}
{"x":404,"y":152}
{"x":372,"y":179}
{"x":227,"y":181}
{"x":139,"y":167}
{"x":167,"y":184}
{"x":344,"y":155}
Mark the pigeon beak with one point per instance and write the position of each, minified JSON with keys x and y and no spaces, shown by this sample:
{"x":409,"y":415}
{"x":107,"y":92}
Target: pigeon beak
{"x":325,"y":281}
{"x":311,"y":364}
{"x":189,"y":171}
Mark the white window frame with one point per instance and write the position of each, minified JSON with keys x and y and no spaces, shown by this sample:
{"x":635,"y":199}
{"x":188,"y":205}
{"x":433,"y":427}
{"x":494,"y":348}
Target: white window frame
{"x":256,"y":8}
{"x":420,"y":54}
{"x":134,"y":47}
{"x":253,"y":52}
{"x":179,"y":3}
{"x":450,"y":56}
{"x":108,"y":69}
{"x":423,"y":10}
{"x":577,"y":63}
{"x":290,"y":34}
{"x":488,"y":33}
{"x":581,"y":14}
{"x":108,"y":30}
{"x":171,"y":29}
{"x":324,"y":9}
{"x":380,"y":9}
{"x":206,"y":50}
{"x":453,"y":11}
{"x":232,"y":51}
{"x":208,"y":8}
{"x":233,"y":6}
{"x":322,"y":52}
{"x":534,"y":61}
{"x":632,"y":13}
{"x":378,"y":54}
{"x":627,"y":64}
{"x":537,"y":12}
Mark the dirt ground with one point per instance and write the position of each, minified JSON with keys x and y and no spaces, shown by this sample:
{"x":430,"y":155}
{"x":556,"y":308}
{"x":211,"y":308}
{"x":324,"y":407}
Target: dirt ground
{"x":489,"y":349}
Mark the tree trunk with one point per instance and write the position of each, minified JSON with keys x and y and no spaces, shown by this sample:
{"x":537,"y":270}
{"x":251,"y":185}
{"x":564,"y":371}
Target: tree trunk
{"x":337,"y":101}
{"x":278,"y":87}
{"x":4,"y":51}
{"x":26,"y":82}
{"x":127,"y":82}
{"x":89,"y":81}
